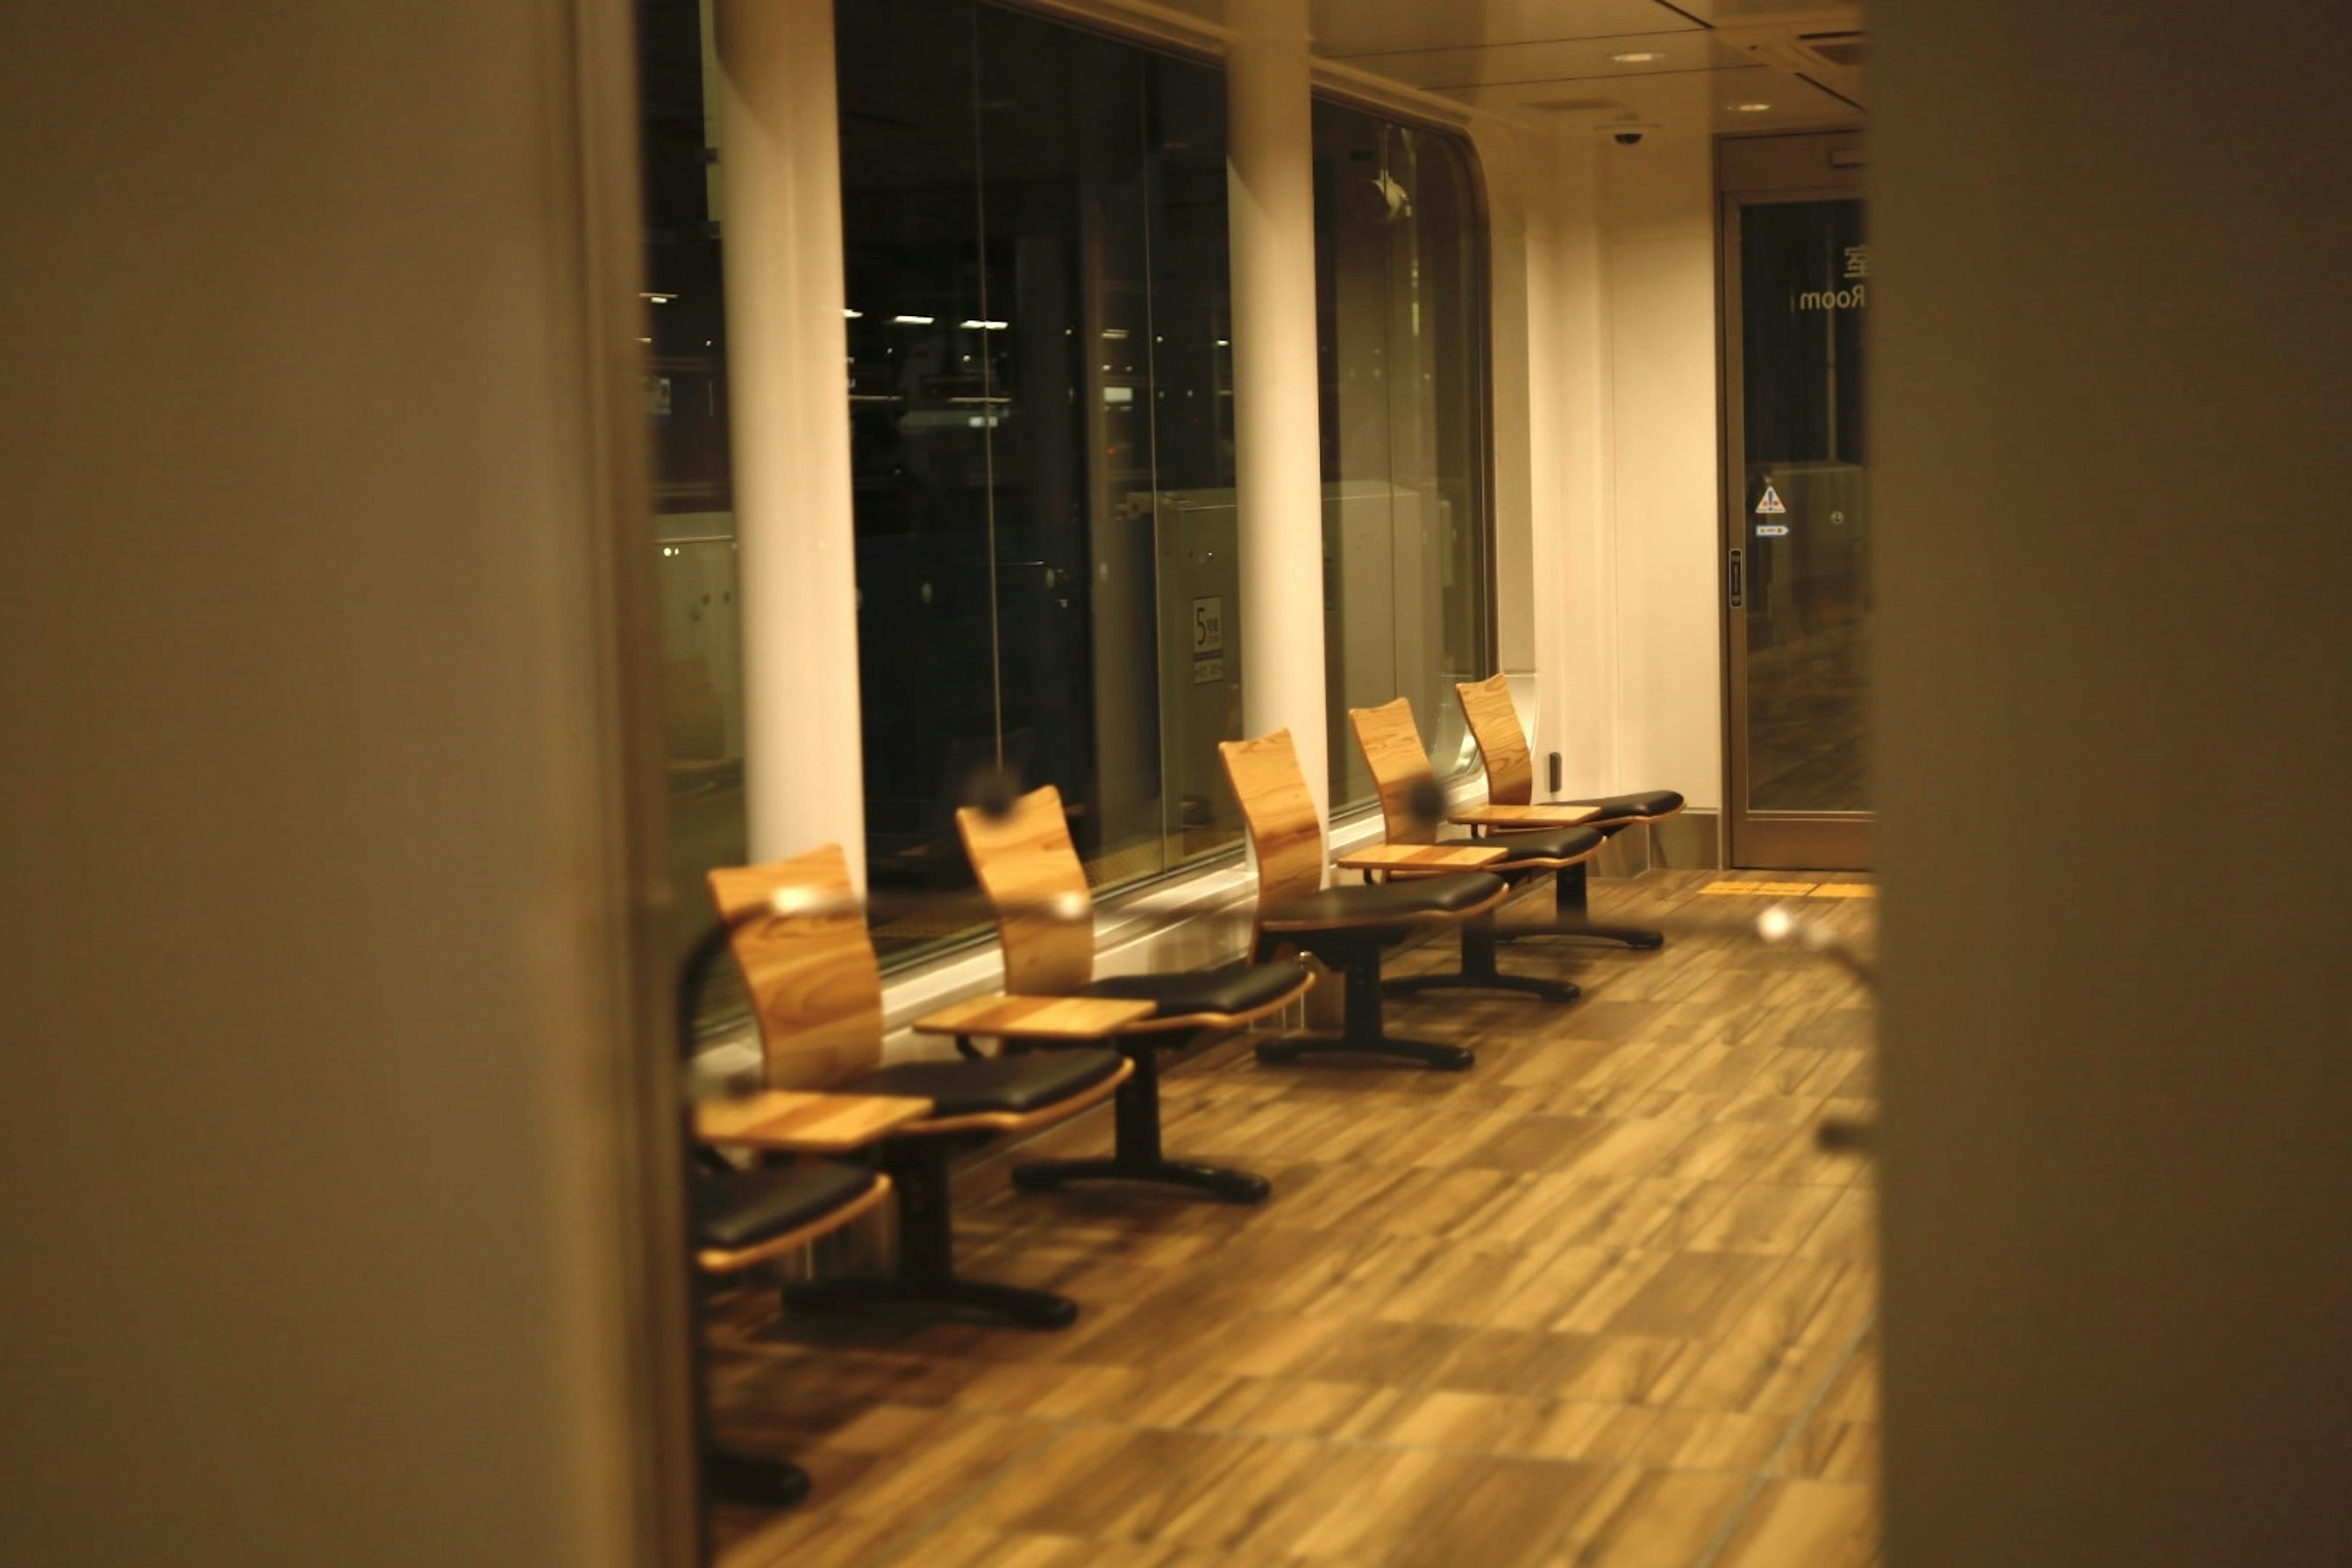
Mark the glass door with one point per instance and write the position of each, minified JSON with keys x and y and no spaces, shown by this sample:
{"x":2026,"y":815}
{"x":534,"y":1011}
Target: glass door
{"x":1797,"y":595}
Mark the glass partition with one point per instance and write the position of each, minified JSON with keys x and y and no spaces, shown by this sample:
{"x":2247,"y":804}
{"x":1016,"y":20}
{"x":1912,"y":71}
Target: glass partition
{"x":1399,"y":298}
{"x":1041,"y":418}
{"x":1034,"y":226}
{"x":685,"y":331}
{"x":1803,"y":617}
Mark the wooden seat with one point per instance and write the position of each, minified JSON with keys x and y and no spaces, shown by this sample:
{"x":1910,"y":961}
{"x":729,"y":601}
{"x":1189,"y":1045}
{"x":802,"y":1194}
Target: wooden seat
{"x":1045,"y":920}
{"x":1510,"y":783}
{"x":801,"y":941}
{"x":1410,"y":806}
{"x":1345,"y":927}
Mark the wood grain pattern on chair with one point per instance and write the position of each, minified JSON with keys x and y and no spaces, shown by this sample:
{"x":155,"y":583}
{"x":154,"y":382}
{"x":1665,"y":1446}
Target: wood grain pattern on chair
{"x":1524,"y":818}
{"x":802,"y":1121}
{"x":815,"y":983}
{"x":1494,"y":725}
{"x":1286,"y":831}
{"x":1423,"y":859}
{"x":1392,"y":747}
{"x":1031,"y":872}
{"x":801,"y":939}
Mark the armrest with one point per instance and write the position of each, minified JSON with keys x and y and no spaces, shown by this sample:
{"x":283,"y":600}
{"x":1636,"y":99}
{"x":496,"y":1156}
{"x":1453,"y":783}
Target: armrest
{"x":1421,"y":859}
{"x":1069,"y":1018}
{"x":1557,"y":815}
{"x":804,"y":1123}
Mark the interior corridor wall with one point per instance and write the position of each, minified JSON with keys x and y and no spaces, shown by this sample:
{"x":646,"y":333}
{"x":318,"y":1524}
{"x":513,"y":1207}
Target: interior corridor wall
{"x":2115,"y":353}
{"x":1657,"y":200}
{"x":323,"y":892}
{"x":1606,"y":454}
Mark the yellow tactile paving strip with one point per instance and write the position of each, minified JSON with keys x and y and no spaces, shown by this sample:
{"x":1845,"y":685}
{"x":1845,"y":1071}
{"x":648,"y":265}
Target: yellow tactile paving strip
{"x":1736,"y":890}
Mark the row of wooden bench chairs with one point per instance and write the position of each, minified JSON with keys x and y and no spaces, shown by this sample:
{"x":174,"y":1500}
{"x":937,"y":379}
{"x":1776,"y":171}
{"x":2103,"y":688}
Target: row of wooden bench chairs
{"x":799,"y":935}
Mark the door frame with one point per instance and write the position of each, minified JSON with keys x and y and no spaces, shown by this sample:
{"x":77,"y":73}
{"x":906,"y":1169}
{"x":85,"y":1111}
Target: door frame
{"x":1759,"y":171}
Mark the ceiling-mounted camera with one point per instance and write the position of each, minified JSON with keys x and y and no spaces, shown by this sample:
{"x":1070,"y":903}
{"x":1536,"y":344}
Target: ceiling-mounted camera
{"x":1627,"y":138}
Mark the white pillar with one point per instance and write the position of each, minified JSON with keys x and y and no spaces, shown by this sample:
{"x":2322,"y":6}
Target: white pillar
{"x":1277,"y":450}
{"x":787,"y":350}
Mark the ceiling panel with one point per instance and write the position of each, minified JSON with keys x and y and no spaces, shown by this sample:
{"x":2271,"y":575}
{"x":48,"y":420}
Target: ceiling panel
{"x":1703,"y":100}
{"x":1442,"y":71}
{"x":1545,"y":61}
{"x":1347,"y":29}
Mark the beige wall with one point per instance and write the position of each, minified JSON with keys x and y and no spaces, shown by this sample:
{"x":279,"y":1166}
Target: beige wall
{"x":2115,"y":726}
{"x":1606,"y":434}
{"x":318,"y":880}
{"x":1659,"y":213}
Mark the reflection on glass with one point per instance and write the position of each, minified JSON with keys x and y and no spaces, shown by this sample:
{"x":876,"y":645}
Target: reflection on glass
{"x":1402,"y":340}
{"x":1804,"y":311}
{"x":1035,"y":227}
{"x":685,"y":398}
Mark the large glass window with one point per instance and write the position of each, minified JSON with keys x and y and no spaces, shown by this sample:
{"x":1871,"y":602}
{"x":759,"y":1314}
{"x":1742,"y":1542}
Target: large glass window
{"x":1400,"y":297}
{"x":1041,"y":419}
{"x":685,"y":398}
{"x":1034,"y":224}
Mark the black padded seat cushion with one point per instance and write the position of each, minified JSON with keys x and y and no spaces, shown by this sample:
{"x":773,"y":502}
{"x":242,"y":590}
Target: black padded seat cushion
{"x":1621,"y":807}
{"x":1403,"y":900}
{"x":748,"y":1206}
{"x":1017,"y":1085}
{"x":1236,"y":988}
{"x":1547,"y":843}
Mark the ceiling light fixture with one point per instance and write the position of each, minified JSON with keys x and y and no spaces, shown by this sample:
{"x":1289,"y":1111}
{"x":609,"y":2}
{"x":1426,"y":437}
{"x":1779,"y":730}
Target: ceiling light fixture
{"x":912,"y":320}
{"x":1747,"y":108}
{"x":1638,"y":58}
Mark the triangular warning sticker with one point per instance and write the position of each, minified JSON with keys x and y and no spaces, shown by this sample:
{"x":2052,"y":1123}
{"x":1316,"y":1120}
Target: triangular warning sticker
{"x":1770,"y":505}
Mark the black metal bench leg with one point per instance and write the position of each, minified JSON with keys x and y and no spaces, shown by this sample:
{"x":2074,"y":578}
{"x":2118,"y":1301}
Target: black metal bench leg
{"x":1136,"y":1157}
{"x":926,"y":1272}
{"x":753,"y":1480}
{"x":1570,"y":905}
{"x":1479,"y":971}
{"x":1364,"y":1032}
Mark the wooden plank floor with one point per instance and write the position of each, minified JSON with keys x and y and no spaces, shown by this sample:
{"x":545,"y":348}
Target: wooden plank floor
{"x":1600,"y":1300}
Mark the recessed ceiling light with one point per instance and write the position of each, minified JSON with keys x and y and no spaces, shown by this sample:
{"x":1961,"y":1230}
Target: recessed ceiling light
{"x":912,"y":320}
{"x":1747,"y":108}
{"x":1639,"y":58}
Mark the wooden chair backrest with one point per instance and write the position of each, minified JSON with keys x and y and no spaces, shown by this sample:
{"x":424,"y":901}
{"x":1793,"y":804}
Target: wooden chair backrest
{"x":816,"y":987}
{"x":1494,"y":725}
{"x":1031,"y":872}
{"x":1284,"y":827}
{"x":1391,"y":748}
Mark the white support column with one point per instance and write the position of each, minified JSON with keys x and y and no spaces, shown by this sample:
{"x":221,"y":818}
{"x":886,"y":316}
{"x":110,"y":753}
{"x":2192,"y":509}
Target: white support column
{"x":780,"y":165}
{"x":1277,"y":445}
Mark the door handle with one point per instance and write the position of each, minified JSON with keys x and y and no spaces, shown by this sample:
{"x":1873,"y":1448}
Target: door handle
{"x":1738,"y":580}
